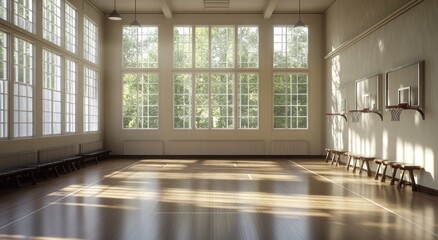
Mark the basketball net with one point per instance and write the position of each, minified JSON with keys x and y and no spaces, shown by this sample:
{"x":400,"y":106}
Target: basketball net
{"x":395,"y":113}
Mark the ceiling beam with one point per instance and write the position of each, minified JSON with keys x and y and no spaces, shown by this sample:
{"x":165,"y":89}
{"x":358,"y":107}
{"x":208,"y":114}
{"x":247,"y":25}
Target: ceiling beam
{"x":270,"y":8}
{"x":166,"y":9}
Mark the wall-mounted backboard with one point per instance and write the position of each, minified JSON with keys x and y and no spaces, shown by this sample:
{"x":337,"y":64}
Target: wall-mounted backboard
{"x":368,"y":92}
{"x":404,"y":85}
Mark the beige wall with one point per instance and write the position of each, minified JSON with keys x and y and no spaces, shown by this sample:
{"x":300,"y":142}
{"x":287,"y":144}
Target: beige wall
{"x":166,"y":140}
{"x":410,"y":37}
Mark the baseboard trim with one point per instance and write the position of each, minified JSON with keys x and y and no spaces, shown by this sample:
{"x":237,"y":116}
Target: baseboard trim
{"x":219,"y":156}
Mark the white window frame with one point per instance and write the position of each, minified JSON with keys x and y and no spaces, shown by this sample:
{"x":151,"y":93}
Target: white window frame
{"x":70,"y":95}
{"x":27,"y":21}
{"x":52,"y":24}
{"x":4,"y":86}
{"x":90,"y":40}
{"x":71,"y":28}
{"x":204,"y":109}
{"x":91,"y":100}
{"x":52,"y":93}
{"x":23,"y":89}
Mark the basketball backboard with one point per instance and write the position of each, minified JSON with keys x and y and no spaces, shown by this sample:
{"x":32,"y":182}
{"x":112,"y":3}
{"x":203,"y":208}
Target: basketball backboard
{"x":404,"y":85}
{"x":368,"y":92}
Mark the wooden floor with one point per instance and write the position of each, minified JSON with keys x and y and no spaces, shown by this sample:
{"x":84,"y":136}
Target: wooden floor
{"x":216,"y":199}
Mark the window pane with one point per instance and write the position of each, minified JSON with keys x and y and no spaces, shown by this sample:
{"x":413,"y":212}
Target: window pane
{"x":222,"y":47}
{"x":182,"y":47}
{"x":52,"y":21}
{"x":140,"y":47}
{"x":91,"y":101}
{"x":182,"y":101}
{"x":248,"y":43}
{"x":90,"y":41}
{"x":4,"y":83}
{"x":4,"y":9}
{"x":290,"y":101}
{"x":202,"y":47}
{"x":23,"y":88}
{"x":70,"y":28}
{"x":290,"y":47}
{"x":51,"y":92}
{"x":248,"y":101}
{"x":140,"y":100}
{"x":23,"y":14}
{"x":222,"y":101}
{"x":70,"y":96}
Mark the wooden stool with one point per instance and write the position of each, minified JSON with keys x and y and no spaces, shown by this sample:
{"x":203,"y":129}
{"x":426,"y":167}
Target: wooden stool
{"x":337,"y":156}
{"x":379,"y":164}
{"x":364,"y":160}
{"x":407,"y":166}
{"x":351,"y":156}
{"x":329,"y":152}
{"x":385,"y":164}
{"x":394,"y":166}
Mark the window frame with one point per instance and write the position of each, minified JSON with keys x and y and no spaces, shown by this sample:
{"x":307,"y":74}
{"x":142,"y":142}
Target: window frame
{"x":90,"y":102}
{"x":236,"y":71}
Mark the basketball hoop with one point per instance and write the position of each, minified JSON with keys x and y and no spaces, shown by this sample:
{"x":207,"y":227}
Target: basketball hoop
{"x":355,"y":116}
{"x":396,"y":110}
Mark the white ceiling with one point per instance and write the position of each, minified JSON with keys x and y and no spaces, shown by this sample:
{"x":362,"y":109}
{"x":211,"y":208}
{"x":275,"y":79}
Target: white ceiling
{"x":170,"y":7}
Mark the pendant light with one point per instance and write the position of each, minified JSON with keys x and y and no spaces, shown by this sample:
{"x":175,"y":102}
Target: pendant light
{"x":115,"y":15}
{"x":135,"y":23}
{"x":299,"y":23}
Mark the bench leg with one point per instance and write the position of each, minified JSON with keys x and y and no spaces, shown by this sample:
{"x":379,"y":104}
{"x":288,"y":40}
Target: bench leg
{"x":338,"y":159}
{"x":394,"y":172}
{"x":384,"y":173}
{"x":348,"y":162}
{"x":355,"y":164}
{"x":327,"y":156}
{"x":402,"y":175}
{"x":414,"y":185}
{"x":376,"y":177}
{"x":362,"y":162}
{"x":333,"y":158}
{"x":367,"y":163}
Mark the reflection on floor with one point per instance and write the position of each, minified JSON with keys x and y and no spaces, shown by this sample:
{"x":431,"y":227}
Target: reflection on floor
{"x":216,"y":199}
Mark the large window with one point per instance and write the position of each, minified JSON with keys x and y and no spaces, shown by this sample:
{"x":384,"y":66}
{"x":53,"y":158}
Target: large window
{"x":90,"y":40}
{"x":290,"y":101}
{"x":23,"y":14}
{"x":290,"y":47}
{"x":52,"y":21}
{"x":91,"y":101}
{"x":140,"y":90}
{"x":70,"y":28}
{"x":140,"y":100}
{"x":3,"y":85}
{"x":51,"y":93}
{"x":23,"y":88}
{"x":70,"y":96}
{"x":207,"y":99}
{"x":290,"y":88}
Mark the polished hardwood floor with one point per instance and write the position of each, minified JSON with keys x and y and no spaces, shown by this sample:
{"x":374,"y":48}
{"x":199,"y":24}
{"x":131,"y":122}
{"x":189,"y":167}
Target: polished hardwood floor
{"x":216,"y":199}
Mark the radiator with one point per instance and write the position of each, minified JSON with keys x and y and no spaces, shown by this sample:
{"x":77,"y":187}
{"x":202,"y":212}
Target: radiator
{"x":289,"y":147}
{"x":51,"y":154}
{"x":18,"y":159}
{"x":91,"y":146}
{"x":211,"y":147}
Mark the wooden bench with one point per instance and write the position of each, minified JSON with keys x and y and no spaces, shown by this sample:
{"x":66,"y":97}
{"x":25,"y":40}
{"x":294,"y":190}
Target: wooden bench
{"x":18,"y":166}
{"x":17,"y":173}
{"x":403,"y":168}
{"x":335,"y":155}
{"x":364,"y":160}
